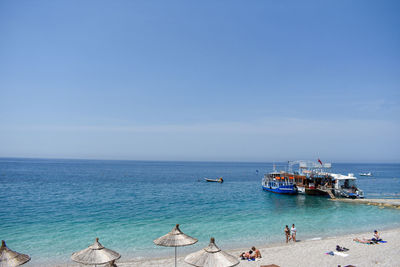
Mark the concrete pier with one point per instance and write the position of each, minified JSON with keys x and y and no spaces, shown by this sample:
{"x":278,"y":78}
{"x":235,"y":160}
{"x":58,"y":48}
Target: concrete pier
{"x":384,"y":203}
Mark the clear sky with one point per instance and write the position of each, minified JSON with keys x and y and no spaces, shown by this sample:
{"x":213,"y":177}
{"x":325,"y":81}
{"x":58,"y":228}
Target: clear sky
{"x":200,"y":80}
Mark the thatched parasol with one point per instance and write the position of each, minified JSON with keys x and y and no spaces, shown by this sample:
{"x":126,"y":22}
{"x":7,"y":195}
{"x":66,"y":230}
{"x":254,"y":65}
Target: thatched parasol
{"x":10,"y":258}
{"x":211,"y":256}
{"x":95,"y":254}
{"x":175,"y":238}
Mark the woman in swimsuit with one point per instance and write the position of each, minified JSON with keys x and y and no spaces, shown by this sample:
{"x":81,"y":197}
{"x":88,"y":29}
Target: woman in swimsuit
{"x":287,"y":233}
{"x":293,"y":232}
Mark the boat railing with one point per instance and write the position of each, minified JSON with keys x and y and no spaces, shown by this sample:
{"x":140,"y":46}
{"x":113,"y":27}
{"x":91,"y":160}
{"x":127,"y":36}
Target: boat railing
{"x":324,"y":187}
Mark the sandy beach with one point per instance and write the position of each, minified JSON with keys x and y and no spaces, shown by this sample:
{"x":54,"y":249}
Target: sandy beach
{"x":310,"y":253}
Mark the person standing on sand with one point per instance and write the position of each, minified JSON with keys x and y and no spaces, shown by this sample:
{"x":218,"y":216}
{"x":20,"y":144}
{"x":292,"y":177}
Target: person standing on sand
{"x":287,"y":233}
{"x":293,"y":232}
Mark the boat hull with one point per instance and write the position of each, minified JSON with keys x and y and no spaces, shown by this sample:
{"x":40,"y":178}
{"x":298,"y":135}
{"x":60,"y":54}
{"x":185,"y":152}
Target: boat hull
{"x":281,"y":190}
{"x":315,"y":192}
{"x":301,"y":189}
{"x":347,"y":194}
{"x":214,"y":181}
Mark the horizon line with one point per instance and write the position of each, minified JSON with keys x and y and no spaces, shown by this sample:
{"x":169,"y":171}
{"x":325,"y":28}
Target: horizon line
{"x":158,"y":160}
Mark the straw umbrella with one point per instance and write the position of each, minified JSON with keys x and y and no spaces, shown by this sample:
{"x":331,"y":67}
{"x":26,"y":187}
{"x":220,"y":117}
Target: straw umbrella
{"x":211,"y":256}
{"x":175,"y":238}
{"x":95,"y":254}
{"x":10,"y":258}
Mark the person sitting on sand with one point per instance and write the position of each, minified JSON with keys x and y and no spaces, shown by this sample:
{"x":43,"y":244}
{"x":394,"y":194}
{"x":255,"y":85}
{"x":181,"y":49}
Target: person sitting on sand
{"x":293,"y":232}
{"x":243,"y":256}
{"x":257,"y":253}
{"x":287,"y":233}
{"x":249,"y":255}
{"x":376,"y":237}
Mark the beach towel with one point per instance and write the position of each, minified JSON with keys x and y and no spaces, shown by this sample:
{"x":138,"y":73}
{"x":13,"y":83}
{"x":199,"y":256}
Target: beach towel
{"x":341,"y":254}
{"x":364,"y":242}
{"x":382,"y":241}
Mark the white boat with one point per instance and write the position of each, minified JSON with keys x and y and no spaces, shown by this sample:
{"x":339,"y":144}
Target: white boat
{"x":345,"y":186}
{"x":365,"y":174}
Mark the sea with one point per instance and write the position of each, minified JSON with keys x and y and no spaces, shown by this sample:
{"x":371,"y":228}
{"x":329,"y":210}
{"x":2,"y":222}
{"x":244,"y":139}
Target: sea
{"x":51,"y":208}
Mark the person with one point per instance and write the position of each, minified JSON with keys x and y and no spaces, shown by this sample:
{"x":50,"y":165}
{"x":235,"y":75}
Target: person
{"x":248,"y":255}
{"x":363,"y":241}
{"x":287,"y":233}
{"x":252,"y":255}
{"x":376,"y":237}
{"x":293,"y":232}
{"x":257,"y":253}
{"x":243,"y":256}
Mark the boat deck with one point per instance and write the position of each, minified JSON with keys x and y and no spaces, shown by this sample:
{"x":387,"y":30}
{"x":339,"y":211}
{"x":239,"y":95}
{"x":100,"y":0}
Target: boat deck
{"x":383,"y":203}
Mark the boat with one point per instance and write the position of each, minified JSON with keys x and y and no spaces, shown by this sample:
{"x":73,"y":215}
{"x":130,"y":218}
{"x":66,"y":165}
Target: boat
{"x":320,"y":184}
{"x":278,"y":182}
{"x":365,"y":174}
{"x":312,"y":178}
{"x":218,"y":180}
{"x":345,"y":186}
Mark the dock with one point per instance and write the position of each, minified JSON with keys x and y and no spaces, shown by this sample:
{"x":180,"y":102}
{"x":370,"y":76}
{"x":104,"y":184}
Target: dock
{"x":382,"y":203}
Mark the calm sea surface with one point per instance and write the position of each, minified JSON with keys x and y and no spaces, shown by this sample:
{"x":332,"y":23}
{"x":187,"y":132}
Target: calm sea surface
{"x":51,"y":208}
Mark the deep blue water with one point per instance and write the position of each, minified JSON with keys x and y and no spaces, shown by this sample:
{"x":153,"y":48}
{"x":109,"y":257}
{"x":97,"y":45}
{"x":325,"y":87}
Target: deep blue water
{"x":51,"y":208}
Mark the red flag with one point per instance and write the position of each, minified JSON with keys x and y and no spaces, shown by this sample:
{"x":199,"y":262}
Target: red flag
{"x":320,"y":162}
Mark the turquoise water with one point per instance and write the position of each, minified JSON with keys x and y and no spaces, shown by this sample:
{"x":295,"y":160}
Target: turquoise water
{"x":51,"y":208}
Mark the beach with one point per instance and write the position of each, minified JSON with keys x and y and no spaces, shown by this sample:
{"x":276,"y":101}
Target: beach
{"x":308,"y":253}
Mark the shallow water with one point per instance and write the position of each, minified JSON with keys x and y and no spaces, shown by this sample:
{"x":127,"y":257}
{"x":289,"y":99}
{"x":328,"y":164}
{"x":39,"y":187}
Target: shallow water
{"x":51,"y":208}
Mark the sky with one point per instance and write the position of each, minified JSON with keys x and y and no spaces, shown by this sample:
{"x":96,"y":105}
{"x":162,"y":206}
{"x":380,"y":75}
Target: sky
{"x":200,"y":80}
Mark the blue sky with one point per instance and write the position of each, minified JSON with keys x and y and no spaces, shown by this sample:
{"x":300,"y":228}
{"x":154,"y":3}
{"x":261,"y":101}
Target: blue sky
{"x":200,"y":80}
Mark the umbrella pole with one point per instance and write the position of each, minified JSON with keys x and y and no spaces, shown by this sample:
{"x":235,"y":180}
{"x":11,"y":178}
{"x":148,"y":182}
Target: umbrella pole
{"x":175,"y":256}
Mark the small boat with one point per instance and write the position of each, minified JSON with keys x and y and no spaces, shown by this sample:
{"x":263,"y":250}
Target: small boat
{"x":219,"y":180}
{"x":276,"y":182}
{"x":365,"y":174}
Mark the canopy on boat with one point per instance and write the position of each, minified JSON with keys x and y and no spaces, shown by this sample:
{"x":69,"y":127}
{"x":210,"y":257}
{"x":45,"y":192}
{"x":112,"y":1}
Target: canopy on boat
{"x":337,"y":176}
